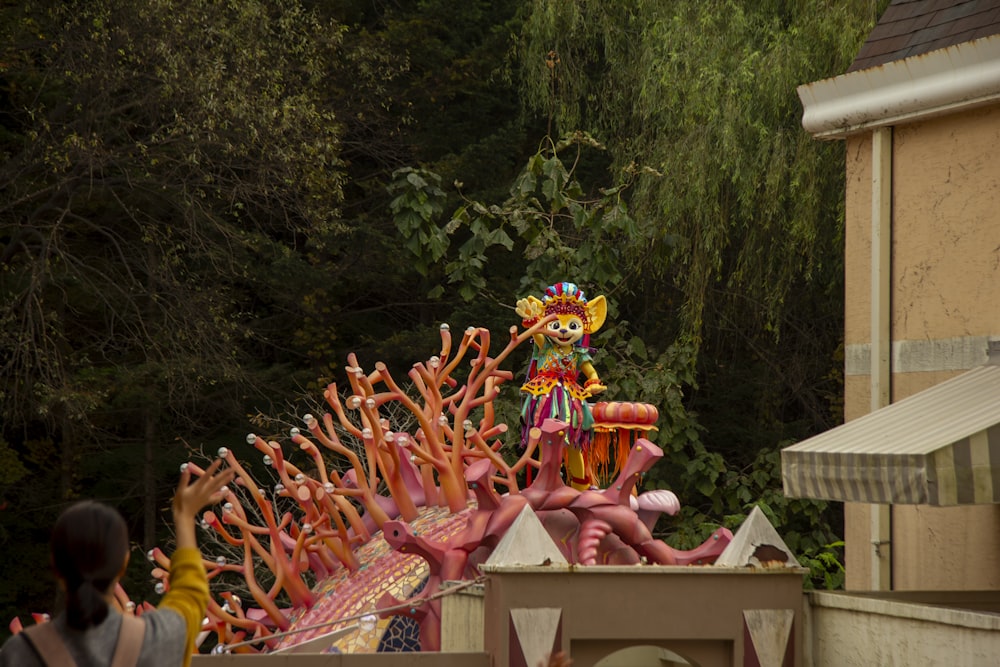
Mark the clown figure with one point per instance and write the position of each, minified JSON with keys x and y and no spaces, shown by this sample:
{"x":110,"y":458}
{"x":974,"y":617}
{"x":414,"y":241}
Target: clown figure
{"x":561,"y":355}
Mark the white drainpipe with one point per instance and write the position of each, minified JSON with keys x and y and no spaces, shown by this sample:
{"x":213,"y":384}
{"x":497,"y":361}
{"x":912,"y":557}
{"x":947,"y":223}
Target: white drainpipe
{"x":881,"y":336}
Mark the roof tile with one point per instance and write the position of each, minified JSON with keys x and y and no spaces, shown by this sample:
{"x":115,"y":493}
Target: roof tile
{"x":939,"y":5}
{"x":895,"y":12}
{"x":958,"y":11}
{"x":969,"y":23}
{"x":942,"y":43}
{"x":902,"y":27}
{"x":912,"y":27}
{"x":929,"y":34}
{"x":986,"y":31}
{"x":897,"y":44}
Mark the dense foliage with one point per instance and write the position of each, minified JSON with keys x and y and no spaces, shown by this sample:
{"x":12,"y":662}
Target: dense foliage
{"x":204,"y":206}
{"x":740,"y":238}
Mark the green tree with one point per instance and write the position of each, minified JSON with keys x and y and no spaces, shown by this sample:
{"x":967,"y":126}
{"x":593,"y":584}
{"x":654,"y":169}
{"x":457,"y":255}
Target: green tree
{"x":748,"y":209}
{"x":450,"y":108}
{"x":203,"y":201}
{"x":740,"y":241}
{"x":725,"y":271}
{"x":161,"y":165}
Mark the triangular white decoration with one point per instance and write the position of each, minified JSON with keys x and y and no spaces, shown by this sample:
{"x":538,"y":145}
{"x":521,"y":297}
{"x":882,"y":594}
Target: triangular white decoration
{"x":536,"y":632}
{"x":769,"y":632}
{"x":526,"y":543}
{"x":756,"y":532}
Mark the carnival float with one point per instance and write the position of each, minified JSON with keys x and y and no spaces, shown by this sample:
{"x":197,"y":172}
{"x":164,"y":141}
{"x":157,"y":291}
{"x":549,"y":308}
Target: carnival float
{"x":368,"y":514}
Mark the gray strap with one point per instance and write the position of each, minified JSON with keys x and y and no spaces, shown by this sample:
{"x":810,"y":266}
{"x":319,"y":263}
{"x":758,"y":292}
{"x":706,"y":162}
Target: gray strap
{"x":129,"y":641}
{"x":49,"y":645}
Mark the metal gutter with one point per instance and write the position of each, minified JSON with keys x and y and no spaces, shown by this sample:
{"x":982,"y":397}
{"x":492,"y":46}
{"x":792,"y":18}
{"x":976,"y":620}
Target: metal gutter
{"x":956,"y":78}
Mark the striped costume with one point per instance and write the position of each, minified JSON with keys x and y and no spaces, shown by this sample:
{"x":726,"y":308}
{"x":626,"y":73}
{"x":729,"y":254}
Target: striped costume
{"x":552,"y":392}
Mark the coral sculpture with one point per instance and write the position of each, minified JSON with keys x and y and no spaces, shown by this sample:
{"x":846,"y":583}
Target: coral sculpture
{"x":368,"y":547}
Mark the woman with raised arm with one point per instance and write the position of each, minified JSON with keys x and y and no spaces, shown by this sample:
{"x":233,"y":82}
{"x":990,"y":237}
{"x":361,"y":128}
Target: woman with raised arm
{"x":89,"y":548}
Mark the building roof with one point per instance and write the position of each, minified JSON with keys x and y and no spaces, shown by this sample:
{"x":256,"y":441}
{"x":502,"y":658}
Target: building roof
{"x":940,"y":447}
{"x":912,"y":27}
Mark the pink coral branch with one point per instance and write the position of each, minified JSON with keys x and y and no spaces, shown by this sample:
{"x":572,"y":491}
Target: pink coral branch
{"x":449,"y":368}
{"x":264,"y":600}
{"x":335,"y":511}
{"x":213,"y":521}
{"x":237,"y":619}
{"x":233,"y":514}
{"x":451,"y":486}
{"x":477,"y":380}
{"x":366,"y":493}
{"x":495,"y":458}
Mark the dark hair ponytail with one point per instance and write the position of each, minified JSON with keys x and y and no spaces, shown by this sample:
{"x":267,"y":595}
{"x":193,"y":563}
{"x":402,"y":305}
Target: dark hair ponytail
{"x":89,"y":544}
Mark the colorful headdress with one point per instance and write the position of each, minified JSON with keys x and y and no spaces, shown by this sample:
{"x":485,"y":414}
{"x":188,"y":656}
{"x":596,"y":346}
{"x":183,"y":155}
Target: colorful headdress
{"x":566,"y":298}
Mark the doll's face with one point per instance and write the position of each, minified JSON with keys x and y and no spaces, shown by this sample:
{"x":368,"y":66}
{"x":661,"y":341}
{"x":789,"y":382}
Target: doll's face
{"x":566,"y":330}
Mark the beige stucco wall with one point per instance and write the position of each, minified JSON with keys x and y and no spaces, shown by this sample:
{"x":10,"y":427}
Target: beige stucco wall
{"x":945,"y":285}
{"x":946,"y":227}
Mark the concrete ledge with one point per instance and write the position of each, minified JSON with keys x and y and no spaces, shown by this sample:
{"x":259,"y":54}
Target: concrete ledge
{"x":640,"y":570}
{"x":847,"y":629}
{"x":928,"y":606}
{"x":345,"y":660}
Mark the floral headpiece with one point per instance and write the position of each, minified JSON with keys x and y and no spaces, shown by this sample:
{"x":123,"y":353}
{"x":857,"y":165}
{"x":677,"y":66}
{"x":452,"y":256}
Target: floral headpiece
{"x":566,"y":298}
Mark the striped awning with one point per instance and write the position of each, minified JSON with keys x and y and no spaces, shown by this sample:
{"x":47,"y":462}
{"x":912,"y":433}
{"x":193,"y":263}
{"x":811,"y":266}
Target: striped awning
{"x":938,"y":447}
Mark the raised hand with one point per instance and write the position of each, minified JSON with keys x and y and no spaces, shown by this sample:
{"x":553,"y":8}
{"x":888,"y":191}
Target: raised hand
{"x":529,"y":308}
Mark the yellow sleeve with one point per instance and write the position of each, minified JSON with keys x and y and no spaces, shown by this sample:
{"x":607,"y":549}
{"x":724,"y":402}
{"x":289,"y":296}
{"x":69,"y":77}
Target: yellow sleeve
{"x":188,"y":594}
